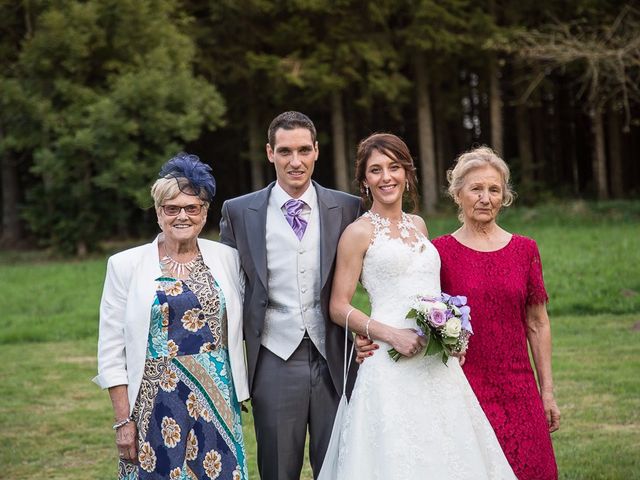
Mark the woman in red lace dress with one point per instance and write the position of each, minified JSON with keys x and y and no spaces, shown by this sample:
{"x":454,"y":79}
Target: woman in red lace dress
{"x":501,"y":275}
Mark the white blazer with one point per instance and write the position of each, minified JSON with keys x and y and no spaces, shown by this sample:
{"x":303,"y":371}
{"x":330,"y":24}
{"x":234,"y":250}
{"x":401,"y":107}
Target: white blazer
{"x":125,"y":313}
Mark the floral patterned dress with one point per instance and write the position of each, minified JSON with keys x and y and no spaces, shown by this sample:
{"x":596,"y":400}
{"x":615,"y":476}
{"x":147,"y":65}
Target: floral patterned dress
{"x":499,"y":286}
{"x":187,"y":413}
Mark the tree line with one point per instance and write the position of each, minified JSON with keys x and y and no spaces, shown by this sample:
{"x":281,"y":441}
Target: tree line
{"x":97,"y":94}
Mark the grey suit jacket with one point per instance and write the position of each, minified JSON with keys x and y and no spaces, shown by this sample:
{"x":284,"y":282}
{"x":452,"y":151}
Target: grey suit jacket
{"x":243,"y":226}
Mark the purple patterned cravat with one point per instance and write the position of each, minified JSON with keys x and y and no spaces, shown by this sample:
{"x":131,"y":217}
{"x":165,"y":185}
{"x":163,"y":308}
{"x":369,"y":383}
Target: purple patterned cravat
{"x":293,"y":211}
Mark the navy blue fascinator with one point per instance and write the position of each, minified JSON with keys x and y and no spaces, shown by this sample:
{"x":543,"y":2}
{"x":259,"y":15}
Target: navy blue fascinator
{"x":198,"y":174}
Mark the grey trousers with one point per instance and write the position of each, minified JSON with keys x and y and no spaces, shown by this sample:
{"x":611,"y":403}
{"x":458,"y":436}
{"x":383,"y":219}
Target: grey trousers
{"x":289,"y":396}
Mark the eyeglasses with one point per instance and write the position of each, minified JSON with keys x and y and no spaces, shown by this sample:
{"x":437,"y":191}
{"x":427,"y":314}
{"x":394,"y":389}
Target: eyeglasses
{"x":174,"y":210}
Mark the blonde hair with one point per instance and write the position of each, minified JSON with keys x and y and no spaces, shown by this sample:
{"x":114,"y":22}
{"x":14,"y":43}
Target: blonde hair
{"x":169,"y":188}
{"x":479,"y":157}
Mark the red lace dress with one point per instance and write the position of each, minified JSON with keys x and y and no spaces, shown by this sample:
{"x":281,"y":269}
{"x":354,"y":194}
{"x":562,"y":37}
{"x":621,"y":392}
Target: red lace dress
{"x":499,"y":285}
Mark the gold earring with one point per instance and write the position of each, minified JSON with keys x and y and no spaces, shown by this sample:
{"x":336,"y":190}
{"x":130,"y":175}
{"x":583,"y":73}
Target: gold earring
{"x":366,"y":189}
{"x":407,"y":185}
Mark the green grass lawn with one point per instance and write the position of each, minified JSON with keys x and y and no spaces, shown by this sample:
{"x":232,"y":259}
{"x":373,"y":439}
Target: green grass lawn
{"x":55,"y":424}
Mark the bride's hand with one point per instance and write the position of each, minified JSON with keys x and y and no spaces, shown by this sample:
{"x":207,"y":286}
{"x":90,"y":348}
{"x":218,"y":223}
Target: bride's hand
{"x":406,"y":341}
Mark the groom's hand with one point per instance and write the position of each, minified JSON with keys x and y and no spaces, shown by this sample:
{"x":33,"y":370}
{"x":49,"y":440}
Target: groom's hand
{"x":364,"y":348}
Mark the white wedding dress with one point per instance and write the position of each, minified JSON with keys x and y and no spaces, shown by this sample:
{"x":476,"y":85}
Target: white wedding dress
{"x":416,"y":418}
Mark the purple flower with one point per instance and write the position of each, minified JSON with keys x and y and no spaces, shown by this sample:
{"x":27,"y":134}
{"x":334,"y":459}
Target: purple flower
{"x":437,"y":318}
{"x":459,"y":300}
{"x":428,"y":298}
{"x":465,"y":317}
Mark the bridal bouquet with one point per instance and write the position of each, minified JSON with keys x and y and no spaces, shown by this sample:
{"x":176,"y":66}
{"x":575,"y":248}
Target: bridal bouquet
{"x":445,"y":321}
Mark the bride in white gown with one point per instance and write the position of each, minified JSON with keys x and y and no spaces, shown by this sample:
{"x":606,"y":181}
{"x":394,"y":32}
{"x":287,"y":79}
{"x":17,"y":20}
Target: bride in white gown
{"x":416,"y":418}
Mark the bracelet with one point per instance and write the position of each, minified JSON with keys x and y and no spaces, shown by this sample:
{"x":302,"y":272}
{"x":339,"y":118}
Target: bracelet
{"x":122,"y":423}
{"x":366,"y":328}
{"x":346,"y":318}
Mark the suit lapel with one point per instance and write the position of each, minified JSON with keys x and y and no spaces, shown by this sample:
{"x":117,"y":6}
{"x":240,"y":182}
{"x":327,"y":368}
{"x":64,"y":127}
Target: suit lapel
{"x":255,"y":224}
{"x":330,"y":222}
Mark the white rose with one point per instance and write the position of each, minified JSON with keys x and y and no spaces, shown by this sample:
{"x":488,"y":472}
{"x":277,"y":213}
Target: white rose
{"x":422,"y":306}
{"x":452,"y":328}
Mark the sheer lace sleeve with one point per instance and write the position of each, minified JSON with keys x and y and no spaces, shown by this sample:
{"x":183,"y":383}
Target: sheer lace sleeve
{"x":536,"y":292}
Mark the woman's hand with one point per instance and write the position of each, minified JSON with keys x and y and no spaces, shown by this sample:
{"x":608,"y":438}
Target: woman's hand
{"x":551,"y":411}
{"x":406,"y":341}
{"x":364,"y":348}
{"x":127,"y":442}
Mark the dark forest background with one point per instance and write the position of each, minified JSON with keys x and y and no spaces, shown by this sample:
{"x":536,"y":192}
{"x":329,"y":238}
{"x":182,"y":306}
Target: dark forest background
{"x":95,"y":95}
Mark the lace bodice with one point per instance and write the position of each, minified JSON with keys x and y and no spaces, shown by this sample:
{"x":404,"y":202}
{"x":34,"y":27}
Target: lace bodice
{"x":399,"y":263}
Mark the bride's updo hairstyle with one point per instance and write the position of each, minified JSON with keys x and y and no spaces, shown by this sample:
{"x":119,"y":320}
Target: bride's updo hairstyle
{"x":393,"y":147}
{"x":479,"y":157}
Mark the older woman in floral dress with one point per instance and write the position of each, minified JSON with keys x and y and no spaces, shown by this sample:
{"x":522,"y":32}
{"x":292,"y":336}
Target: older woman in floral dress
{"x":170,"y":347}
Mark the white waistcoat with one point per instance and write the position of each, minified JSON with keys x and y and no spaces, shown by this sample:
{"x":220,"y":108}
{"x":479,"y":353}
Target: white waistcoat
{"x":293,"y":269}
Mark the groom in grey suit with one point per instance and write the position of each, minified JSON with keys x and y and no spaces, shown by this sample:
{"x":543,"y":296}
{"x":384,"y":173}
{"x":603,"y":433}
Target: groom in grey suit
{"x":286,"y":235}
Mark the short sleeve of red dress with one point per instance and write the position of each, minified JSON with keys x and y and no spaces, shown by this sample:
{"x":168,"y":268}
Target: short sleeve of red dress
{"x":536,"y":292}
